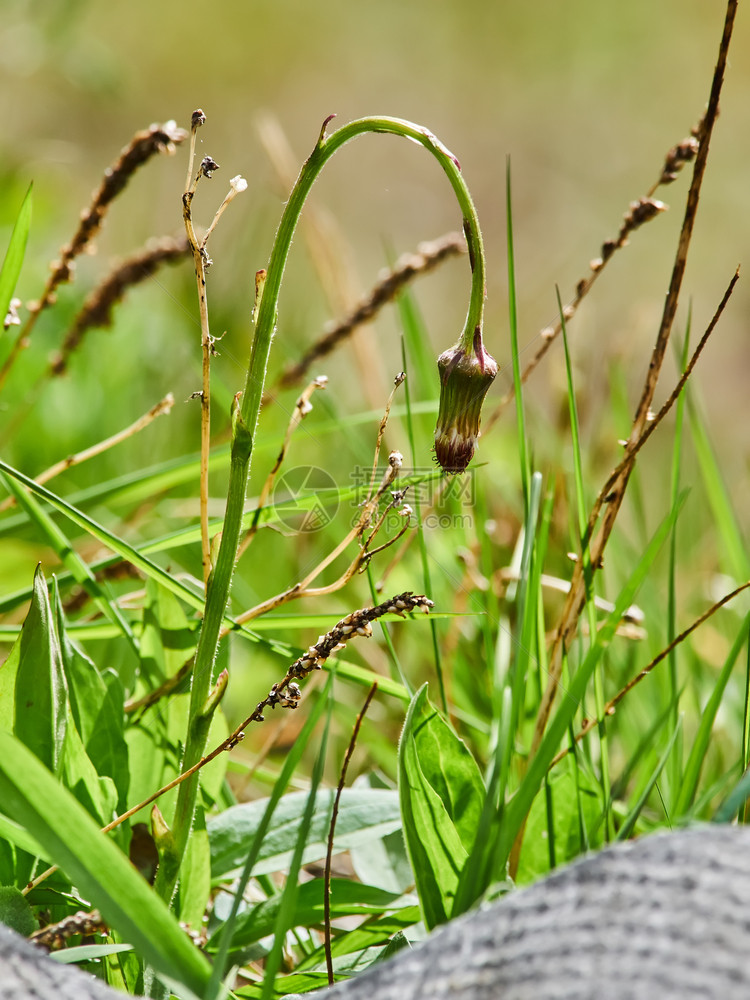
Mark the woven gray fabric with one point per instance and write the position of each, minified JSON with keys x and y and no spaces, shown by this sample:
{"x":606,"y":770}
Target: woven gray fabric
{"x":664,"y":917}
{"x":26,"y":973}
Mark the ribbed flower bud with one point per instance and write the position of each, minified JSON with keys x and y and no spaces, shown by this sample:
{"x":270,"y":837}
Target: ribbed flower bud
{"x":465,"y":377}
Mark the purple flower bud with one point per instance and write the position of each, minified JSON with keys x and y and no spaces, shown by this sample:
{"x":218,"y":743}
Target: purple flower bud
{"x":465,"y":377}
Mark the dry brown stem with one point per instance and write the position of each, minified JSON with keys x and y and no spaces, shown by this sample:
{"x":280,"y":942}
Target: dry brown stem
{"x":642,"y":210}
{"x":615,"y":494}
{"x":609,"y":708}
{"x":162,"y":407}
{"x":332,"y":830}
{"x":674,"y":395}
{"x":201,"y":262}
{"x":303,"y":588}
{"x":406,"y":268}
{"x":99,"y":306}
{"x":143,"y":145}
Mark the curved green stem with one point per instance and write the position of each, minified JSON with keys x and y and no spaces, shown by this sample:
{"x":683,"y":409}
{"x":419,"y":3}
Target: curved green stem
{"x":245,"y":417}
{"x":324,"y":150}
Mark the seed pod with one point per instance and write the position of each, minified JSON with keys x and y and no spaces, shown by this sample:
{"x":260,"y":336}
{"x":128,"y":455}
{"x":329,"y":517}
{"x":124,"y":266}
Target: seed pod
{"x":465,"y":377}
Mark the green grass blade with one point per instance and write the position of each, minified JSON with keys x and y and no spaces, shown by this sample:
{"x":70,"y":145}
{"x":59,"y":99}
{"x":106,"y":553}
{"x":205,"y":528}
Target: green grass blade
{"x":291,"y":763}
{"x":414,"y":334}
{"x":65,"y":552}
{"x":523,"y":446}
{"x":581,"y":509}
{"x":40,"y":696}
{"x":287,"y":907}
{"x":727,"y":811}
{"x":527,"y":603}
{"x":441,"y":791}
{"x":702,"y":738}
{"x":31,"y":796}
{"x":113,"y":542}
{"x":631,"y":819}
{"x":734,"y":547}
{"x":570,"y":699}
{"x":14,"y":255}
{"x":675,"y":771}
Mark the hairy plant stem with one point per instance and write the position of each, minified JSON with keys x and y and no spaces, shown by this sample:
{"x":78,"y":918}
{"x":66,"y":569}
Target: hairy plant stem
{"x":245,"y":419}
{"x":200,"y":261}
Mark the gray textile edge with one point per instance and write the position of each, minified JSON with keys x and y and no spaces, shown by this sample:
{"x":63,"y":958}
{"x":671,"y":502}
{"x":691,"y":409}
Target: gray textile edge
{"x":666,"y":916}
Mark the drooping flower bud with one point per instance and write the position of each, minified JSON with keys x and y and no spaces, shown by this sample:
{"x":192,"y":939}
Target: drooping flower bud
{"x":465,"y":377}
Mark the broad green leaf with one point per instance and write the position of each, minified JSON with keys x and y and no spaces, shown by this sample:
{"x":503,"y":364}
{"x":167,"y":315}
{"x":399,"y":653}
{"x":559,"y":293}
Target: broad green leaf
{"x":435,"y":848}
{"x":383,"y":863}
{"x":97,"y":795}
{"x":97,"y":707}
{"x":347,"y":899}
{"x":155,"y":745}
{"x":30,"y":795}
{"x":449,"y":767}
{"x":573,"y":799}
{"x":372,"y":933}
{"x":195,"y":874}
{"x":167,"y":639}
{"x":14,"y":833}
{"x":154,"y":754}
{"x":14,"y":255}
{"x":40,"y":695}
{"x":15,"y":911}
{"x":85,"y":952}
{"x":8,"y":672}
{"x":364,"y":815}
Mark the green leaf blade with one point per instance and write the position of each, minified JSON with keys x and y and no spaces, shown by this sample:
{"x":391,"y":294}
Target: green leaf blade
{"x":40,"y":691}
{"x":439,"y":794}
{"x":11,"y":270}
{"x":31,"y":796}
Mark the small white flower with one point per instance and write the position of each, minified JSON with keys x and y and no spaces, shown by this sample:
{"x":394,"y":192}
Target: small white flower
{"x":238,"y":184}
{"x":12,"y":318}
